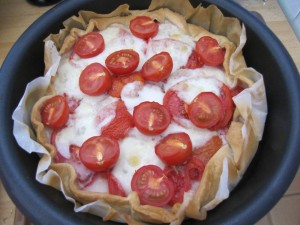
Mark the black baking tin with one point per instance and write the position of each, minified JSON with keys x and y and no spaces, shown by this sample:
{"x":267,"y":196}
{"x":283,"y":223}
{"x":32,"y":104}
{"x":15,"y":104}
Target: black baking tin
{"x":268,"y":177}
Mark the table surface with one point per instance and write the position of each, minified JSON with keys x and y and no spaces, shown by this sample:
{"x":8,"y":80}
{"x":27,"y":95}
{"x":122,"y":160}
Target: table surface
{"x":17,"y":15}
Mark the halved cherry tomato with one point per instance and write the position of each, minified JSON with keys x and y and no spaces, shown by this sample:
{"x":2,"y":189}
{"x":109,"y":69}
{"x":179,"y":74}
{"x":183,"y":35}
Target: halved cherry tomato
{"x":143,"y":27}
{"x":227,"y":104}
{"x":55,"y":112}
{"x":158,"y":67}
{"x":176,"y":106}
{"x":152,"y":186}
{"x":120,"y":125}
{"x":195,"y":168}
{"x":123,"y":61}
{"x":89,"y":45}
{"x":205,"y":152}
{"x":174,"y":149}
{"x":151,"y":118}
{"x":114,"y":186}
{"x":193,"y":61}
{"x":209,"y":51}
{"x":120,"y":81}
{"x":205,"y":110}
{"x":95,"y":79}
{"x":180,"y":180}
{"x":99,"y":153}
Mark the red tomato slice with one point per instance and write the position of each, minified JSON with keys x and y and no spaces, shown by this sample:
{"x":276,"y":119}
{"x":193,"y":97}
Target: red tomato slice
{"x":205,"y":152}
{"x":152,"y":186}
{"x":180,"y":180}
{"x":99,"y":153}
{"x":114,"y":186}
{"x":205,"y":110}
{"x":120,"y":125}
{"x":228,"y":107}
{"x":158,"y":67}
{"x":209,"y":51}
{"x":122,"y":62}
{"x":193,"y":61}
{"x":120,"y":81}
{"x":194,"y":168}
{"x":95,"y":80}
{"x":143,"y":27}
{"x":55,"y":112}
{"x":151,"y":118}
{"x":176,"y":107}
{"x":89,"y":45}
{"x":174,"y":149}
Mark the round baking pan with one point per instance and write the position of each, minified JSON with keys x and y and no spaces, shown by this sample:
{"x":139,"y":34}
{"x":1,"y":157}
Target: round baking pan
{"x":268,"y":176}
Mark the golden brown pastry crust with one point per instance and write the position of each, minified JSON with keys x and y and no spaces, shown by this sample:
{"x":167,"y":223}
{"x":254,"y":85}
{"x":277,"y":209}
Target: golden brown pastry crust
{"x":237,"y":154}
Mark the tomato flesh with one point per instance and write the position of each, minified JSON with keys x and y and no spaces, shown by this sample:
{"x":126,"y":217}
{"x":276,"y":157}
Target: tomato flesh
{"x":205,"y":110}
{"x":120,"y":125}
{"x":89,"y":45}
{"x":120,"y":81}
{"x":209,"y":51}
{"x":95,"y":80}
{"x":193,"y":61}
{"x":55,"y":112}
{"x":151,"y":118}
{"x":205,"y":152}
{"x":114,"y":186}
{"x":122,"y":62}
{"x":158,"y":67}
{"x":152,"y":186}
{"x":99,"y":153}
{"x":143,"y":27}
{"x":174,"y":149}
{"x":176,"y":106}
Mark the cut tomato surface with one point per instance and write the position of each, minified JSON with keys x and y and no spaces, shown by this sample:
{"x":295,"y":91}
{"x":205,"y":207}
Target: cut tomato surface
{"x":120,"y":81}
{"x":95,"y":79}
{"x":209,"y":51}
{"x":99,"y":153}
{"x":55,"y":112}
{"x":174,"y":149}
{"x":152,"y":186}
{"x":120,"y":125}
{"x":194,"y":61}
{"x":89,"y":45}
{"x":114,"y":185}
{"x":143,"y":27}
{"x":205,"y":152}
{"x":158,"y":67}
{"x":122,"y":62}
{"x":151,"y":118}
{"x":205,"y":110}
{"x":176,"y":106}
{"x":195,"y":168}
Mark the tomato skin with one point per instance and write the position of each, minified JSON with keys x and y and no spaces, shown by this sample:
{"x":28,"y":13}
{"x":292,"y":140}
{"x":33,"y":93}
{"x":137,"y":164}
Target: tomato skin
{"x":99,"y":153}
{"x":205,"y":152}
{"x":152,"y":186}
{"x":114,"y":186}
{"x":120,"y":81}
{"x":194,"y":168}
{"x":205,"y":110}
{"x":228,"y":107}
{"x":158,"y":67}
{"x":151,"y":118}
{"x":193,"y":61}
{"x":143,"y":27}
{"x":209,"y":51}
{"x":89,"y":45}
{"x":174,"y":149}
{"x":95,"y":80}
{"x":55,"y":112}
{"x":120,"y":125}
{"x":176,"y":106}
{"x":122,"y":62}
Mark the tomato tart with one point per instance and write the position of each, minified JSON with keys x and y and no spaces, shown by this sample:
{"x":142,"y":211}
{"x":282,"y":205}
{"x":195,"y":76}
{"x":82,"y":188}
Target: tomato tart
{"x":150,"y":116}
